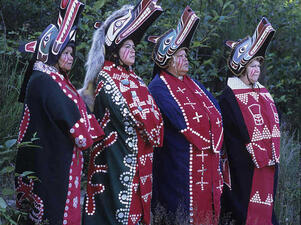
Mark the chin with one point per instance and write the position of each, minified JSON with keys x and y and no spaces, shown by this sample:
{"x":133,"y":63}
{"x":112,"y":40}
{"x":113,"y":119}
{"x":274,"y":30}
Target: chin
{"x":130,"y":63}
{"x":185,"y":71}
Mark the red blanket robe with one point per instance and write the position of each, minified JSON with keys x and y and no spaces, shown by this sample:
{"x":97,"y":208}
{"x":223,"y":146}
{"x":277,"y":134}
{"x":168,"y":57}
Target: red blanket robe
{"x":119,"y":186}
{"x":261,"y":120}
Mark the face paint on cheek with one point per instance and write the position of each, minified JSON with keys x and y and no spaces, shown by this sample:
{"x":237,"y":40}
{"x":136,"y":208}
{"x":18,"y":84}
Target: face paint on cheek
{"x":252,"y":72}
{"x":126,"y":54}
{"x":64,"y":60}
{"x":180,"y":63}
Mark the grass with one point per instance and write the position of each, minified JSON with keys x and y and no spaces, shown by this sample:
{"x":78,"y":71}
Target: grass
{"x":11,"y":77}
{"x":287,"y":204}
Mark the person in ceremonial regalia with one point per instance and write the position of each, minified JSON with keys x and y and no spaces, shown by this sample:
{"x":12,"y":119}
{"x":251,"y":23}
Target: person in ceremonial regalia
{"x":119,"y":185}
{"x":56,"y":121}
{"x":187,"y":180}
{"x":252,"y":134}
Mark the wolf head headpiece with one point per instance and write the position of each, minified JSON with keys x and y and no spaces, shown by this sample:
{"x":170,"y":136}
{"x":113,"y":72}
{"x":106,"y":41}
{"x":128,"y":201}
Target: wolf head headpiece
{"x":126,"y":23}
{"x":167,"y":44}
{"x":249,"y":48}
{"x":53,"y":39}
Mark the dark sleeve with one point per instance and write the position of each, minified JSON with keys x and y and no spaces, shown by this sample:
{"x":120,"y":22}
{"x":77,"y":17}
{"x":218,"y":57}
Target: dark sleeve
{"x":60,"y":109}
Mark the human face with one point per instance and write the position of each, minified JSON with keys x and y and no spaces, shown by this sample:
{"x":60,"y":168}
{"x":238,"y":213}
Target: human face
{"x":253,"y":71}
{"x":66,"y":59}
{"x":127,"y":53}
{"x":180,"y":64}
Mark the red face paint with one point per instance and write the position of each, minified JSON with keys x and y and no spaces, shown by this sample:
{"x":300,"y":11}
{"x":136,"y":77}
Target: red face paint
{"x":252,"y":72}
{"x":65,"y":60}
{"x":126,"y":54}
{"x":180,"y":63}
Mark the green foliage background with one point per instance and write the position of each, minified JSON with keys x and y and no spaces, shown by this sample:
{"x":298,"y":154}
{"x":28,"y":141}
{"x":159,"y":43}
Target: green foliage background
{"x":221,"y":20}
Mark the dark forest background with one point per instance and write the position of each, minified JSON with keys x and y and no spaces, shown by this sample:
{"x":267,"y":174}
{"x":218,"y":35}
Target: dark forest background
{"x":221,"y":20}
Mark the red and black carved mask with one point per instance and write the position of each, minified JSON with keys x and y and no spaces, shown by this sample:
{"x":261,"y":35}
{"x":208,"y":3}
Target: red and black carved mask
{"x":55,"y":37}
{"x":243,"y":51}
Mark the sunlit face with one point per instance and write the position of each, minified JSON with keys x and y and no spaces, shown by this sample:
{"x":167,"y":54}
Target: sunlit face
{"x":127,"y":53}
{"x":66,"y":59}
{"x":179,"y":64}
{"x":253,"y":71}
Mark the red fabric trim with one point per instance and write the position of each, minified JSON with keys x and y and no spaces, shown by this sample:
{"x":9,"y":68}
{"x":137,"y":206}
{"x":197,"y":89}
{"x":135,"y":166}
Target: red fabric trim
{"x":24,"y":123}
{"x":98,"y":88}
{"x":226,"y":169}
{"x":24,"y":195}
{"x":261,"y":118}
{"x":261,"y":199}
{"x":106,"y":119}
{"x":205,"y":186}
{"x":72,"y":213}
{"x":82,"y":137}
{"x":142,"y":185}
{"x":93,"y":189}
{"x":95,"y":131}
{"x":197,"y":139}
{"x":203,"y":120}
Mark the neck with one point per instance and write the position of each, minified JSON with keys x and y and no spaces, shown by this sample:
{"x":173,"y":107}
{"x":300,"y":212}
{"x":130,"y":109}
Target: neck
{"x":174,"y":72}
{"x":246,"y":80}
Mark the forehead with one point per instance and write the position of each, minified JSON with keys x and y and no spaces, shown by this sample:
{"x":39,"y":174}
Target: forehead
{"x":254,"y":62}
{"x":128,"y":42}
{"x":181,"y":52}
{"x":68,"y":49}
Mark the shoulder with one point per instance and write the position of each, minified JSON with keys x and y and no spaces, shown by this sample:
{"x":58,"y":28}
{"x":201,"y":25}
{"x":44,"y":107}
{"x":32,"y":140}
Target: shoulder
{"x":39,"y":82}
{"x":202,"y":87}
{"x":198,"y":83}
{"x":38,"y":76}
{"x":208,"y":93}
{"x":157,"y":84}
{"x":226,"y":93}
{"x":42,"y":80}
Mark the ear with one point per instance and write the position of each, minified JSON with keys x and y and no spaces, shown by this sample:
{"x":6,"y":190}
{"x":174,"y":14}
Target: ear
{"x":97,"y":25}
{"x":231,"y":44}
{"x":28,"y":47}
{"x":153,"y":39}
